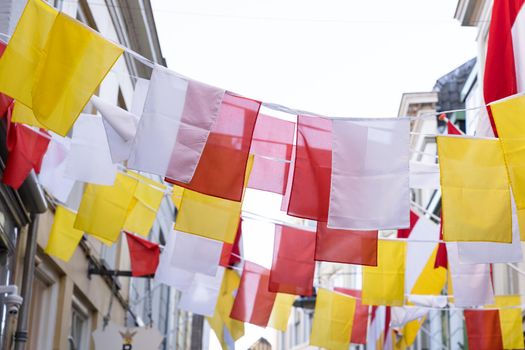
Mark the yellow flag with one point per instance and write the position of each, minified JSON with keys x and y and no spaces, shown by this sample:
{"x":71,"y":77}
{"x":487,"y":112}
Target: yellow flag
{"x":103,"y":209}
{"x":209,"y":216}
{"x":333,"y":320}
{"x":409,"y":334}
{"x":384,"y":284}
{"x":144,"y":206}
{"x":431,"y":281}
{"x":281,"y":311}
{"x":176,"y":196}
{"x":75,"y":60}
{"x":64,"y":238}
{"x":510,"y":320}
{"x":24,"y":114}
{"x":475,"y":190}
{"x":221,"y":321}
{"x":20,"y":61}
{"x":511,"y":132}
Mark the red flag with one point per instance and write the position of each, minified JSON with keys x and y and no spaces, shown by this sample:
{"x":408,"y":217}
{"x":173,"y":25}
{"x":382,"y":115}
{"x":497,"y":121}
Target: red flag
{"x":360,"y":325}
{"x":272,"y":146}
{"x":405,"y":233}
{"x":231,"y":253}
{"x":221,"y":169}
{"x":253,"y":302}
{"x":310,"y":194}
{"x":26,"y":149}
{"x":345,"y":246}
{"x":504,"y":66}
{"x":293,"y":264}
{"x":144,"y":255}
{"x":483,"y":329}
{"x":441,"y":255}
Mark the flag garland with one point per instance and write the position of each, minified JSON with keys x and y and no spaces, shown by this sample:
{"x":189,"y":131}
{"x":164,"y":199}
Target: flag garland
{"x":216,"y":167}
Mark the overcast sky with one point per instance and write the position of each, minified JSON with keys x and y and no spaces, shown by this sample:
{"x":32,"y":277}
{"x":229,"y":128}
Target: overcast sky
{"x":349,"y":58}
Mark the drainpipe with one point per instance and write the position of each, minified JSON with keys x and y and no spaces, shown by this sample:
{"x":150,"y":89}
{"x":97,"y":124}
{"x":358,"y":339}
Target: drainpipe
{"x":21,"y":334}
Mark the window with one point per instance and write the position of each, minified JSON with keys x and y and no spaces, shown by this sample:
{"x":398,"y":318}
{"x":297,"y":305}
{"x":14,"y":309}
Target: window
{"x":80,"y":326}
{"x":42,"y":317}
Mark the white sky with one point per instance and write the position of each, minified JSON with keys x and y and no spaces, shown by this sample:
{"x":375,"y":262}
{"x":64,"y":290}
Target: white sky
{"x":349,"y":58}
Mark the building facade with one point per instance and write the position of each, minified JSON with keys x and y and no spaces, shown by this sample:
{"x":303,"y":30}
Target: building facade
{"x":65,"y":302}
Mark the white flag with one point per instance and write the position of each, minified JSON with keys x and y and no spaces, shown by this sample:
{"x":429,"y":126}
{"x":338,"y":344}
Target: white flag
{"x":120,"y":126}
{"x":471,"y":283}
{"x":89,"y":159}
{"x":370,"y":181}
{"x":418,"y":252}
{"x":174,"y":127}
{"x":52,"y":174}
{"x":168,"y":274}
{"x":201,"y":297}
{"x":424,"y":175}
{"x":196,"y":253}
{"x":403,"y":314}
{"x":491,"y":252}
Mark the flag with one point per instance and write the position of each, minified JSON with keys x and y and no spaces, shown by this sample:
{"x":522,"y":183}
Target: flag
{"x":507,"y":116}
{"x":168,"y":274}
{"x":53,"y":170}
{"x":230,"y":254}
{"x":103,"y":209}
{"x":89,"y":159}
{"x":293,"y":263}
{"x":196,"y":254}
{"x":483,"y":329}
{"x":375,"y":337}
{"x":333,"y":319}
{"x":441,"y":256}
{"x":475,"y":188}
{"x":26,"y":148}
{"x":64,"y":238}
{"x":424,"y":175}
{"x":451,"y":128}
{"x":431,"y":280}
{"x":24,"y":115}
{"x":370,"y":174}
{"x":144,"y":206}
{"x":471,"y":283}
{"x":221,"y":169}
{"x":405,"y":233}
{"x":177,"y":118}
{"x":384,"y":284}
{"x":201,"y":109}
{"x":282,"y":307}
{"x":225,"y":328}
{"x":504,"y":68}
{"x":489,"y":252}
{"x":74,"y":62}
{"x":420,"y":252}
{"x":253,"y":302}
{"x":360,"y":322}
{"x":222,"y":215}
{"x":510,"y":320}
{"x":120,"y":128}
{"x":143,"y":255}
{"x":22,"y":57}
{"x":310,"y":185}
{"x":345,"y":246}
{"x":202,"y":295}
{"x":208,"y":216}
{"x":272,"y":146}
